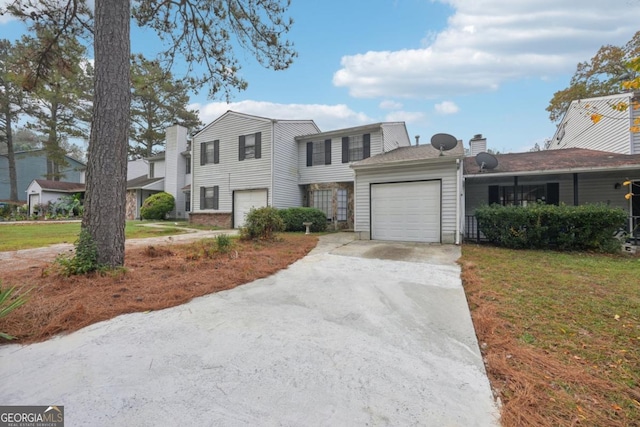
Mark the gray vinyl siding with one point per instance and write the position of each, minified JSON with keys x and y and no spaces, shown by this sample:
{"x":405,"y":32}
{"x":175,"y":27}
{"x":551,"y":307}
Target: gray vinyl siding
{"x":336,"y":171}
{"x":287,"y":192}
{"x":592,"y":188}
{"x":443,"y":171}
{"x":232,"y":174}
{"x":611,"y":133}
{"x":394,"y":136}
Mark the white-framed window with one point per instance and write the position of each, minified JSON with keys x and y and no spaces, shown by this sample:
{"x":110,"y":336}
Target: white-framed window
{"x":209,"y":151}
{"x":318,"y":153}
{"x":250,"y":146}
{"x":187,"y":201}
{"x":322,"y":201}
{"x":209,"y":197}
{"x":152,"y":169}
{"x":342,"y":202}
{"x":356,"y":148}
{"x":187,"y":168}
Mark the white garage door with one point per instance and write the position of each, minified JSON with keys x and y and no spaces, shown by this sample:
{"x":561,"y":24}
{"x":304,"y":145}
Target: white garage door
{"x":243,"y":201}
{"x":406,"y":211}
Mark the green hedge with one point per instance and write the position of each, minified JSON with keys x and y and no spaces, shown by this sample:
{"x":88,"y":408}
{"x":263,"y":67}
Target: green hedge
{"x":157,"y":206}
{"x":262,"y":224}
{"x":294,"y":217}
{"x":540,"y":226}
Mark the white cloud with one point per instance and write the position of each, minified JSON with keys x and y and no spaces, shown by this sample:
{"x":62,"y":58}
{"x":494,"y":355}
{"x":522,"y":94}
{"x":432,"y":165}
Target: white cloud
{"x":409,"y":117}
{"x":327,"y":117}
{"x":390,"y":105}
{"x":490,"y":42}
{"x":447,"y":107}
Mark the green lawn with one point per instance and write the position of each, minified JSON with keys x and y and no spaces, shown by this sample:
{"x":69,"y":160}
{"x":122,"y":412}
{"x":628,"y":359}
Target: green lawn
{"x":569,"y":327}
{"x":24,"y":236}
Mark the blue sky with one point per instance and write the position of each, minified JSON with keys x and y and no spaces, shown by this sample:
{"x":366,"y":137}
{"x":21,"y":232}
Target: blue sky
{"x":456,"y":66}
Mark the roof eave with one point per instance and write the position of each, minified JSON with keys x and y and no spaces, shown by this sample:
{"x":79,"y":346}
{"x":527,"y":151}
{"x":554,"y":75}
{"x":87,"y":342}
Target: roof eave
{"x":554,"y":171}
{"x":394,"y":163}
{"x":344,"y":131}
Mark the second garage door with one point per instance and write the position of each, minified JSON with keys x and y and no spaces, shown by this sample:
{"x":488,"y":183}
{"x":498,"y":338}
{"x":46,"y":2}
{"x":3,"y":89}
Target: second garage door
{"x":406,"y":211}
{"x":243,"y":201}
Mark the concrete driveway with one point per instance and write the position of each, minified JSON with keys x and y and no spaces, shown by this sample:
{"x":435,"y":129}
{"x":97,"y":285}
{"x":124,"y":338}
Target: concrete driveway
{"x":357,"y":333}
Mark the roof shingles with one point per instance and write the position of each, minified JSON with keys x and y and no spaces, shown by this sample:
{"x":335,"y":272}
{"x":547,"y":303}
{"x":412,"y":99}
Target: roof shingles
{"x":411,"y":153}
{"x":554,"y":160}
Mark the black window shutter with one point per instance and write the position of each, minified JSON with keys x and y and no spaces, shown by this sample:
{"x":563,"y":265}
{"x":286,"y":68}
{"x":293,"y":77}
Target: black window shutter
{"x":345,"y":149}
{"x":553,"y":193}
{"x":241,"y":148}
{"x":258,"y":146}
{"x":216,"y":151}
{"x":203,"y":153}
{"x":494,"y":194}
{"x":366,"y":145}
{"x":216,"y":195}
{"x":309,"y":153}
{"x":202,"y":195}
{"x":327,"y":151}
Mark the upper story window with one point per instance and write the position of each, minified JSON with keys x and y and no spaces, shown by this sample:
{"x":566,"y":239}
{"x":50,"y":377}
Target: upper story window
{"x":209,"y":152}
{"x":319,"y":153}
{"x":250,"y":146}
{"x":152,"y":169}
{"x":356,"y":147}
{"x":187,"y":165}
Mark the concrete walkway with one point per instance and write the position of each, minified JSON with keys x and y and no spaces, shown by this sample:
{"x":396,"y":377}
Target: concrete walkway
{"x":357,"y":333}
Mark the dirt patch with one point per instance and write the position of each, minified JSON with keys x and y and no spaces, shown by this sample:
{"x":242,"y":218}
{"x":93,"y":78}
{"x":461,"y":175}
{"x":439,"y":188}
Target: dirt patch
{"x":154,"y":277}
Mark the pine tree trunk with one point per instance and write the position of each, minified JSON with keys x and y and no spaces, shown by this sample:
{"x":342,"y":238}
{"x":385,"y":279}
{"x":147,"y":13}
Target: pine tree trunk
{"x":104,"y":215}
{"x":13,"y":178}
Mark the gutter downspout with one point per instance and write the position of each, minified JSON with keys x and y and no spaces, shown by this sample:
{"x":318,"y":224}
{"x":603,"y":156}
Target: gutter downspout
{"x":458,"y":196}
{"x":273,"y":157}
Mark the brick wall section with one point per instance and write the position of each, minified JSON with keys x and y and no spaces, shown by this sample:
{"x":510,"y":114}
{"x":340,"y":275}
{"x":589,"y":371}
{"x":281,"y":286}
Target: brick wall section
{"x":217,"y":219}
{"x":334,"y":186}
{"x":131,"y":204}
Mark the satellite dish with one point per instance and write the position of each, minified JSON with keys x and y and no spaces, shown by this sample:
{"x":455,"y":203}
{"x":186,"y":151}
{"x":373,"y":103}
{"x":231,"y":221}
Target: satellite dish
{"x":486,"y":161}
{"x":443,"y":142}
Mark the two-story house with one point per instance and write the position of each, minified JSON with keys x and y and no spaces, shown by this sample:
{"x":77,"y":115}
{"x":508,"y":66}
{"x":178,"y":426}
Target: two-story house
{"x":242,"y":161}
{"x":169,"y":171}
{"x":605,"y":123}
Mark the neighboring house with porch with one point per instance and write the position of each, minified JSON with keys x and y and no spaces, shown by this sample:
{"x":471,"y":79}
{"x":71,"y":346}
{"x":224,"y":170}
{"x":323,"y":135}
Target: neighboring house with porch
{"x":602,"y":123}
{"x":243,"y":161}
{"x":573,"y":176}
{"x":31,"y":165}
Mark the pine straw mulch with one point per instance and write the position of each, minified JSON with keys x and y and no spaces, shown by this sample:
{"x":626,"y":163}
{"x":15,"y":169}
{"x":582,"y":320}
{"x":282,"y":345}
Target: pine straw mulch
{"x":154,"y":277}
{"x":533,"y":387}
